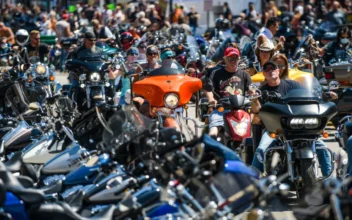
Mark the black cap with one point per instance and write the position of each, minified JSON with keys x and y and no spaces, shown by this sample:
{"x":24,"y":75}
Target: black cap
{"x":89,"y":35}
{"x":270,"y":62}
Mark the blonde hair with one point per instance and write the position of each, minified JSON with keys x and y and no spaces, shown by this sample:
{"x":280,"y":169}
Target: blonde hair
{"x":34,"y":32}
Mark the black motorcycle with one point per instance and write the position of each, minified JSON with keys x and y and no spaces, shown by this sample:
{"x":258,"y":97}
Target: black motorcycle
{"x":93,"y":96}
{"x":297,"y":121}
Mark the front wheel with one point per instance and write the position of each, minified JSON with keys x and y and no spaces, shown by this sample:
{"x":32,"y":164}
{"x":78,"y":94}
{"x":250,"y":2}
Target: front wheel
{"x":308,"y":176}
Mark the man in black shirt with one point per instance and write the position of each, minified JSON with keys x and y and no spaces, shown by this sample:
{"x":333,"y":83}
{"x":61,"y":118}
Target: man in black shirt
{"x":36,"y":49}
{"x":274,"y":83}
{"x":193,"y":18}
{"x":225,"y":81}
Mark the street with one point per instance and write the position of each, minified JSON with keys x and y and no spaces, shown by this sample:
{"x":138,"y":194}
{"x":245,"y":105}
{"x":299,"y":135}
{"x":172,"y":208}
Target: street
{"x":280,"y":211}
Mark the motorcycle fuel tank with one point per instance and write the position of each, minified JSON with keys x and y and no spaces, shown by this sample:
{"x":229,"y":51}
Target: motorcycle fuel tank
{"x":65,"y":161}
{"x":15,"y":138}
{"x":39,"y":152}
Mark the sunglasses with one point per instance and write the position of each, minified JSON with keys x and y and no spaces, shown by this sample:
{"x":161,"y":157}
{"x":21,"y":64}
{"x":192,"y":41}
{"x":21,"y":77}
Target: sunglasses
{"x":132,"y":54}
{"x":36,"y":38}
{"x":281,"y":66}
{"x":152,"y":54}
{"x":142,"y":47}
{"x":232,"y":59}
{"x":92,"y":40}
{"x":268,"y":69}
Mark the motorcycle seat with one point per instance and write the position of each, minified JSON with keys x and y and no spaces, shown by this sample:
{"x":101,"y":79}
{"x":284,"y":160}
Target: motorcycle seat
{"x":54,"y":188}
{"x":14,"y":164}
{"x":25,"y":181}
{"x":13,"y":185}
{"x":77,"y":201}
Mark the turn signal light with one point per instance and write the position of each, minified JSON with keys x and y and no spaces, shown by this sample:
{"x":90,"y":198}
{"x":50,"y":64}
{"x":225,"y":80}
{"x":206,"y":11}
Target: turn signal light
{"x":185,"y":107}
{"x":325,"y":134}
{"x":52,"y":78}
{"x":272,"y":135}
{"x":221,"y":109}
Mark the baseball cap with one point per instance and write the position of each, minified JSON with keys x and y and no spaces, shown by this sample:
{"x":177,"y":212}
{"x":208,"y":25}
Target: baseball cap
{"x":230,"y":51}
{"x":270,"y":62}
{"x":132,"y":51}
{"x":89,"y":35}
{"x":65,"y":16}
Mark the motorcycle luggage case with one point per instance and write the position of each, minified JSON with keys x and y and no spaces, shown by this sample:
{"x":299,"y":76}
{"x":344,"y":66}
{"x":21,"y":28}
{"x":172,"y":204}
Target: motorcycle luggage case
{"x":342,"y":73}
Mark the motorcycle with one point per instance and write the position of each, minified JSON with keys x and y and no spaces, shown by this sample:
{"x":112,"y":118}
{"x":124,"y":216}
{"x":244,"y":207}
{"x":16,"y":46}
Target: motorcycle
{"x":296,"y":124}
{"x":5,"y":55}
{"x":94,"y":86}
{"x":338,"y":71}
{"x":174,"y":89}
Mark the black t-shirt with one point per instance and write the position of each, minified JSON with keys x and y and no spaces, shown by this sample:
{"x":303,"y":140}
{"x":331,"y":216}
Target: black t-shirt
{"x":219,"y":82}
{"x":193,"y":21}
{"x":42,"y":51}
{"x":283,"y":88}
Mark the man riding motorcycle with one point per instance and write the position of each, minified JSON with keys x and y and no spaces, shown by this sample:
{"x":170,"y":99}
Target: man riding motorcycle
{"x":217,"y":82}
{"x":274,"y":83}
{"x":87,"y":51}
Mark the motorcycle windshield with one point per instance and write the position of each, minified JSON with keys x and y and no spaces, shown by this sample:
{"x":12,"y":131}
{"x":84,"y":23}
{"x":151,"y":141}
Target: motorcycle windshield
{"x":125,"y":126}
{"x":310,"y":89}
{"x":192,"y":48}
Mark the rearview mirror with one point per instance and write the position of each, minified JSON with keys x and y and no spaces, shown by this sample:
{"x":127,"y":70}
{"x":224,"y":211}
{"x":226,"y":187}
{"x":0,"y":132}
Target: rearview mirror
{"x":334,"y":85}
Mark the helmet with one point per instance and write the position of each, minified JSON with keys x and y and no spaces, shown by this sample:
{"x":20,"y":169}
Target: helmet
{"x":22,"y":37}
{"x":218,"y":23}
{"x":126,"y":40}
{"x":225,"y":24}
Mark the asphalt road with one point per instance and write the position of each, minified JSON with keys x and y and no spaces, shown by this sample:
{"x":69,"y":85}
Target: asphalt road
{"x":283,"y":209}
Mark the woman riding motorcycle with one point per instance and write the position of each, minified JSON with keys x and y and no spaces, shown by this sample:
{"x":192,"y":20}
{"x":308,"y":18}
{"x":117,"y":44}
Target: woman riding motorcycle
{"x":338,"y":49}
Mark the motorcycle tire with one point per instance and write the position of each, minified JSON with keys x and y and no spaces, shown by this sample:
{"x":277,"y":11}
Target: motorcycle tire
{"x":308,"y":176}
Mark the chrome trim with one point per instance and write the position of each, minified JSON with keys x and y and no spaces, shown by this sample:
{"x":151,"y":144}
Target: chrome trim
{"x":289,"y":160}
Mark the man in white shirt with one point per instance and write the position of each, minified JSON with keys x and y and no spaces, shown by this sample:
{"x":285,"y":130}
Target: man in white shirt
{"x":268,"y":32}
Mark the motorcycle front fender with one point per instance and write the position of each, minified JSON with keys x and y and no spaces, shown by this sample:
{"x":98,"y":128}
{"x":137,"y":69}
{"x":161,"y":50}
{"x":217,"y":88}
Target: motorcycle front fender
{"x":303,"y":153}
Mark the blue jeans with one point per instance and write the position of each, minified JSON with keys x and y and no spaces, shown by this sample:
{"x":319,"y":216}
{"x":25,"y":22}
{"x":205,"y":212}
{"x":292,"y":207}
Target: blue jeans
{"x":194,"y":29}
{"x":267,"y":141}
{"x":216,"y":118}
{"x":349,"y":154}
{"x":63,"y":56}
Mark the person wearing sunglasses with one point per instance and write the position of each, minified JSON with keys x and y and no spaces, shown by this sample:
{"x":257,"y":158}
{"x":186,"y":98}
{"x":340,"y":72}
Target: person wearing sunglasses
{"x":153,"y":59}
{"x":217,"y":83}
{"x":271,"y":72}
{"x":37,"y":49}
{"x":142,"y":49}
{"x":88,"y":50}
{"x":167,"y":57}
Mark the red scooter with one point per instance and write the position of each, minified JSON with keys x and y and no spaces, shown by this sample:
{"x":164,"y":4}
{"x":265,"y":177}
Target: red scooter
{"x":237,"y":120}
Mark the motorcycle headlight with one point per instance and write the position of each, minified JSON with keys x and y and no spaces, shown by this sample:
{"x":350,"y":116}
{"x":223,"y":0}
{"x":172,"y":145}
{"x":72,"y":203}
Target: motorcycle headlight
{"x":95,"y":77}
{"x":240,"y":128}
{"x":296,"y":123}
{"x":171,"y":100}
{"x":311,"y":123}
{"x":40,"y":69}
